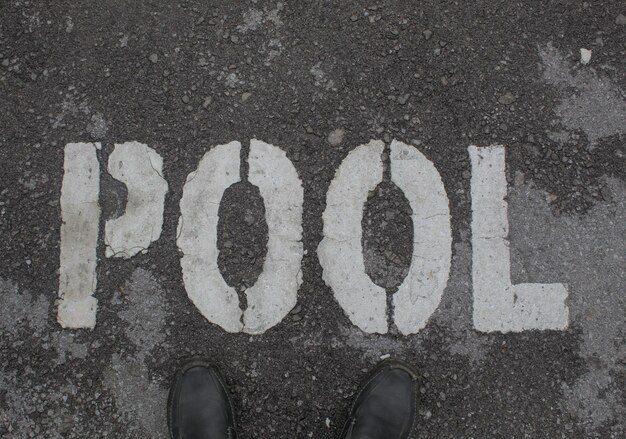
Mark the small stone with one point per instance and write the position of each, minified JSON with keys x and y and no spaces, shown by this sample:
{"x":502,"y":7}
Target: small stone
{"x":249,"y":219}
{"x":507,"y":98}
{"x":444,"y":81}
{"x":296,"y":310}
{"x":202,"y":61}
{"x":403,"y":99}
{"x":427,"y":34}
{"x":234,"y":39}
{"x":585,"y":56}
{"x":207,"y":102}
{"x":620,"y":19}
{"x":354,"y":18}
{"x":387,"y":138}
{"x":154,"y":58}
{"x":245,"y":96}
{"x":5,"y":62}
{"x":335,"y":137}
{"x":185,"y":99}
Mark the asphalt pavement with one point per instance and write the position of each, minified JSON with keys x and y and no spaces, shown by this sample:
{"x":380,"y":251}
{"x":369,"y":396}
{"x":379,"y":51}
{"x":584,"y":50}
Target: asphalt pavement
{"x":201,"y":178}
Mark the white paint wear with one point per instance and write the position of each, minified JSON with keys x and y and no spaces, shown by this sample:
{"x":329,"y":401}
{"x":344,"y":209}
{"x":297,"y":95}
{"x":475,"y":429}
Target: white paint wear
{"x":420,"y":293}
{"x":340,"y":252}
{"x":140,"y":168}
{"x":500,"y":306}
{"x":197,"y":236}
{"x":276,"y":290}
{"x":80,"y":214}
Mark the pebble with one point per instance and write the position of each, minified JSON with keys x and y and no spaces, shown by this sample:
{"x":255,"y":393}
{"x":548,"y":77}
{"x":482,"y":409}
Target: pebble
{"x":620,"y":19}
{"x":185,"y":99}
{"x":354,"y":18}
{"x":335,"y":137}
{"x":427,"y":34}
{"x":585,"y":56}
{"x":507,"y":98}
{"x":296,"y":310}
{"x":207,"y":101}
{"x":154,"y":58}
{"x":245,"y":96}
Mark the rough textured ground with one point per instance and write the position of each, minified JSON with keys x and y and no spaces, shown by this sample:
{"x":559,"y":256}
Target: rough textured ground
{"x":317,"y":79}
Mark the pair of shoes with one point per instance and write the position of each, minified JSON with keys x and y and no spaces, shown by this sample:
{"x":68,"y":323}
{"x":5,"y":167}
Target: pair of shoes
{"x":199,"y":406}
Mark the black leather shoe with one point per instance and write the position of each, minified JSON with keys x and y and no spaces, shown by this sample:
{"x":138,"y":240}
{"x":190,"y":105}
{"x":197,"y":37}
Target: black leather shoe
{"x":385,"y":406}
{"x":199,"y":406}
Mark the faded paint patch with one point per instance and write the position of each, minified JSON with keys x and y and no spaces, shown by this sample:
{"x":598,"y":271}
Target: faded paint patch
{"x":254,"y":19}
{"x":139,"y":396}
{"x":20,"y":310}
{"x":455,"y":310}
{"x":589,"y":254}
{"x":590,"y":102}
{"x":321,"y":78}
{"x":98,"y":127}
{"x":65,"y":344}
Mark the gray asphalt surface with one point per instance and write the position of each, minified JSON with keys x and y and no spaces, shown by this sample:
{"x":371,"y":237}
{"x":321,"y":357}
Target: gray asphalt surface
{"x":317,"y":79}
